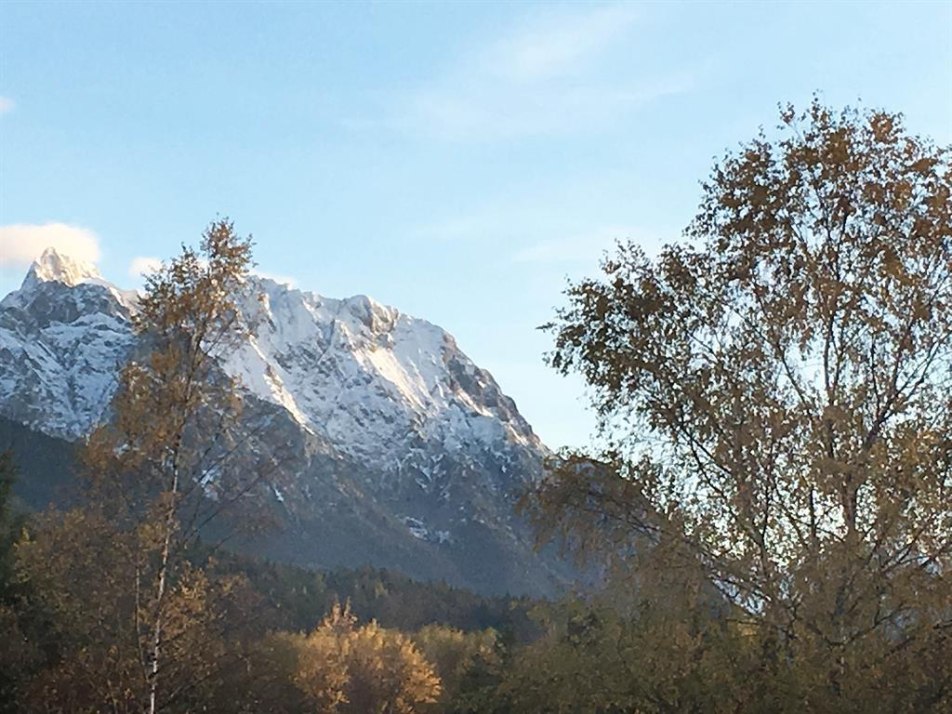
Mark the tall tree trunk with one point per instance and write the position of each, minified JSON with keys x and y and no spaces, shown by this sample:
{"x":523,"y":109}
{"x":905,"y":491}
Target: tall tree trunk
{"x":160,"y":596}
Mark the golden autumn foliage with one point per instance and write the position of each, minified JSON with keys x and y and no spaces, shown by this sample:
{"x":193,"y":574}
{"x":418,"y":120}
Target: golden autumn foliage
{"x":775,"y":395}
{"x":139,"y":617}
{"x":165,"y":465}
{"x":468,"y":664}
{"x":88,"y":582}
{"x":772,"y":509}
{"x":366,"y":669}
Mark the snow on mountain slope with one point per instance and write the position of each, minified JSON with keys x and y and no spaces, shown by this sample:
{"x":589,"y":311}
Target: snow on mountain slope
{"x":365,"y":377}
{"x":63,"y":337}
{"x":395,"y":449}
{"x":54,"y":267}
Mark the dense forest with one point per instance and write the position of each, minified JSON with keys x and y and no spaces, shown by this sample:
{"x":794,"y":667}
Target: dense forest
{"x":771,"y":513}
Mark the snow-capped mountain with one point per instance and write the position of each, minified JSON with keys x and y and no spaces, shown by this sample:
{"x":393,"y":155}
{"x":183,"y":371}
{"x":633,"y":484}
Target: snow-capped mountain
{"x":388,"y":419}
{"x":372,"y":380}
{"x":63,"y":336}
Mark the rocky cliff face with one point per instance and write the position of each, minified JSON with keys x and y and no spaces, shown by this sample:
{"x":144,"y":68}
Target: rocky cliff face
{"x":404,"y":453}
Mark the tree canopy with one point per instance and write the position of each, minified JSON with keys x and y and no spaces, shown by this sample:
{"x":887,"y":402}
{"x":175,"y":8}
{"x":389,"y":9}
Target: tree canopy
{"x":775,"y":396}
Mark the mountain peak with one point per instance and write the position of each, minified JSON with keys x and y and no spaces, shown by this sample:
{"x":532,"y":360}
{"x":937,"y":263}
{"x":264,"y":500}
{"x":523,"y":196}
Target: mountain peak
{"x":389,"y":445}
{"x":55,"y":266}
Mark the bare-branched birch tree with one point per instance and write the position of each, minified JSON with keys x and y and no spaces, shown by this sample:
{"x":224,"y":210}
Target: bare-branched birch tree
{"x":775,"y":395}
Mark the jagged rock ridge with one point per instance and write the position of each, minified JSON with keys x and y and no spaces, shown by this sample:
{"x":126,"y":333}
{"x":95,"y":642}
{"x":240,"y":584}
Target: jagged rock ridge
{"x":407,"y":454}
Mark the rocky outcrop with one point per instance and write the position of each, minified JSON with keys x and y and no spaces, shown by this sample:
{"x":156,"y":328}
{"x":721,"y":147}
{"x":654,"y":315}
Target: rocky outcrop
{"x":403,"y":453}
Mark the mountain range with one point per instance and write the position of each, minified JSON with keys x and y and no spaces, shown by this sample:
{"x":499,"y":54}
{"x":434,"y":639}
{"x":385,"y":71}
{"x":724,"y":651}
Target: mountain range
{"x":400,"y":452}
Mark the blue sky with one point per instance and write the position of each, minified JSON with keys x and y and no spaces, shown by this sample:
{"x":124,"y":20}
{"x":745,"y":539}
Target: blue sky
{"x":457,"y":161}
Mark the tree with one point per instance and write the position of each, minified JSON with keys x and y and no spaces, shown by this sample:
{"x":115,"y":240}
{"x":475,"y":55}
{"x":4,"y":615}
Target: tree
{"x":775,"y":396}
{"x":367,"y":669}
{"x":18,"y":655}
{"x":469,"y":665}
{"x":78,"y":572}
{"x":8,"y":524}
{"x":175,"y":455}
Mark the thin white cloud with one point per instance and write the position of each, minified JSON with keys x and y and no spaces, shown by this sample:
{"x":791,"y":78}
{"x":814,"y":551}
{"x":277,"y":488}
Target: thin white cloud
{"x":142,"y":265}
{"x":581,"y":248}
{"x":21,"y":244}
{"x":451,"y":229}
{"x":559,"y":44}
{"x":7,"y":105}
{"x":283,"y":279}
{"x":556,"y":74}
{"x":487,"y":113}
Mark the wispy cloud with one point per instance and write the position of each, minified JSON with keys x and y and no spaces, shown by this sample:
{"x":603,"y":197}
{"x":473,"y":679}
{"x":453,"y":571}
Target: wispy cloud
{"x":582,"y":247}
{"x":455,"y":228}
{"x":7,"y":105}
{"x":559,"y":45}
{"x":283,"y":279}
{"x":142,"y":265}
{"x":21,"y":244}
{"x":552,"y":75}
